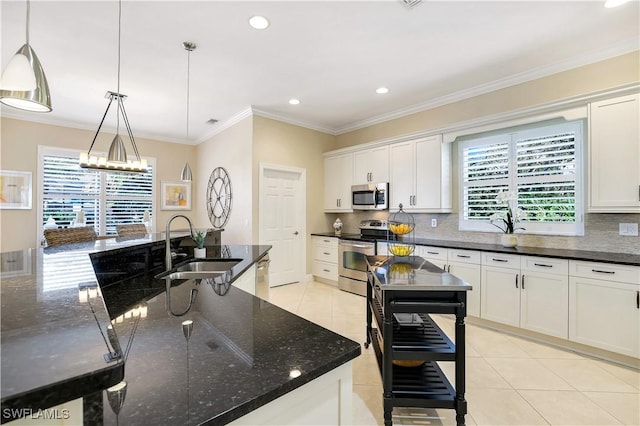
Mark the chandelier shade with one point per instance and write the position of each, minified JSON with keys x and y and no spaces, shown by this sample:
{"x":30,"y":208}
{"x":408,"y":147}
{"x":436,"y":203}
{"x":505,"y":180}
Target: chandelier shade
{"x":24,"y":84}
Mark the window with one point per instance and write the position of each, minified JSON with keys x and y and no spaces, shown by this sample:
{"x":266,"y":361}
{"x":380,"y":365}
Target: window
{"x":541,"y":165}
{"x":106,"y":199}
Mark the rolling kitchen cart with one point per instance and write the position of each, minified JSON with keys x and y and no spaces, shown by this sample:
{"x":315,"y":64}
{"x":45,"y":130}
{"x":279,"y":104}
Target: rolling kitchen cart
{"x":401,"y":293}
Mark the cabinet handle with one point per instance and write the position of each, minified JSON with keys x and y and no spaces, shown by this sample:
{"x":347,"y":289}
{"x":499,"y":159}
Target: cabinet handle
{"x":448,"y":268}
{"x":328,"y":254}
{"x":326,"y":270}
{"x":638,"y":299}
{"x":498,"y":260}
{"x":433,"y":252}
{"x":327,"y":241}
{"x":522,"y":281}
{"x":464,"y":256}
{"x":517,"y":280}
{"x":600,"y":271}
{"x":543,"y":265}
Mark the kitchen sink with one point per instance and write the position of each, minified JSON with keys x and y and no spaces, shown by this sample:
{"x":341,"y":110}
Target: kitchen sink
{"x":200,"y":269}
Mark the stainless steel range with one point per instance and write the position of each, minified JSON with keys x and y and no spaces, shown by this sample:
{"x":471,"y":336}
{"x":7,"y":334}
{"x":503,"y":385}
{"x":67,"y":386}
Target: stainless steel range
{"x":352,"y":266}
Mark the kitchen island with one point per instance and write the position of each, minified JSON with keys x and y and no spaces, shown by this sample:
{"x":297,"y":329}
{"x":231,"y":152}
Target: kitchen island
{"x":402,"y":292}
{"x":76,"y":322}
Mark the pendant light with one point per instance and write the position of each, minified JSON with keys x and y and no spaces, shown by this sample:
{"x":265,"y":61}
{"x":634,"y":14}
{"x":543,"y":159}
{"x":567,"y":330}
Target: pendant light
{"x":186,"y":175}
{"x":24,"y":84}
{"x":117,"y":159}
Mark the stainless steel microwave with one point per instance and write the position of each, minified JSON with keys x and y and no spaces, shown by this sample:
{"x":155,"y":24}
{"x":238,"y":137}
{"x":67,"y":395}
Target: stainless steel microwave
{"x":371,"y":196}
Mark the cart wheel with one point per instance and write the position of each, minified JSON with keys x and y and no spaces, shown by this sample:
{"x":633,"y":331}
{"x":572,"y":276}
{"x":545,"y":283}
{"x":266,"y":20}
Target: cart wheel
{"x":366,"y":345}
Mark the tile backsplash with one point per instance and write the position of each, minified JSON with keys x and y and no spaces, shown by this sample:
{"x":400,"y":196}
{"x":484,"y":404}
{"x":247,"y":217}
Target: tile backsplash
{"x":601,"y":231}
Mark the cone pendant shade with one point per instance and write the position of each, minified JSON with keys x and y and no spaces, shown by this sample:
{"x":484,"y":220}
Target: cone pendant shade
{"x":186,"y":175}
{"x":117,"y":151}
{"x":37,"y":99}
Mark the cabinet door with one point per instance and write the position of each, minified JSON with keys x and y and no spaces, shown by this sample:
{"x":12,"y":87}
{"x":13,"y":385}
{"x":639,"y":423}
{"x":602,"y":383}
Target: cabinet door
{"x":362,"y":166}
{"x":614,"y":155}
{"x":544,"y":303}
{"x":604,"y":314}
{"x":380,"y":164}
{"x":338,"y":172}
{"x":471,"y":274}
{"x":401,"y":171}
{"x":371,"y":165}
{"x":432,"y":175}
{"x":500,"y":295}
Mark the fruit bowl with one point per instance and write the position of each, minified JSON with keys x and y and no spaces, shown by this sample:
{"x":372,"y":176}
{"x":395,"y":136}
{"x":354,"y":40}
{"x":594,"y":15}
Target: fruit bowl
{"x":399,"y":228}
{"x":401,"y":249}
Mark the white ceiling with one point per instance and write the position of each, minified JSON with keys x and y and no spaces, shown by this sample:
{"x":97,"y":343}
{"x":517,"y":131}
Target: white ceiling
{"x":330,"y":55}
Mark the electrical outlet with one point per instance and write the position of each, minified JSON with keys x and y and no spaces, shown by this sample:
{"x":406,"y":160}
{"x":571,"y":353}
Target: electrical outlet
{"x":628,"y":229}
{"x":434,"y":223}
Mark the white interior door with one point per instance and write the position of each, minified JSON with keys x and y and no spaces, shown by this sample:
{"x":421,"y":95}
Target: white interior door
{"x":282,"y":222}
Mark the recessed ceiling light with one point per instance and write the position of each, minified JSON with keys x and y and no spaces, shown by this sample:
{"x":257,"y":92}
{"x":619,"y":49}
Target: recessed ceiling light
{"x":259,"y":22}
{"x":294,"y":101}
{"x":614,"y":3}
{"x":382,"y":90}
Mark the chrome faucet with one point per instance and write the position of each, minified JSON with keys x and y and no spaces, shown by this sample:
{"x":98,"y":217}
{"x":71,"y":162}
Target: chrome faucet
{"x":167,"y":253}
{"x":168,"y":265}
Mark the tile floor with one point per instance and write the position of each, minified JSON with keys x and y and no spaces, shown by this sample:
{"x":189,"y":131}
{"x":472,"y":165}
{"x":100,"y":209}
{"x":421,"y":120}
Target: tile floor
{"x":510,"y":380}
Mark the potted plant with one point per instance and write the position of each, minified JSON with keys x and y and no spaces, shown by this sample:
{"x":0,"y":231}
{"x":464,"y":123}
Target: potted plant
{"x":507,"y":219}
{"x":199,"y":251}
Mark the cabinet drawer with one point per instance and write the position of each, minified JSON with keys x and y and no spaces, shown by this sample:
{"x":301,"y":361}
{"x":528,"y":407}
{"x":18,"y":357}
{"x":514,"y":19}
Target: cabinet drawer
{"x":464,"y":256}
{"x":326,"y":241}
{"x":544,"y":264}
{"x":605,"y":271}
{"x":326,"y":253}
{"x":429,"y":252}
{"x":501,"y":260}
{"x":325,"y":270}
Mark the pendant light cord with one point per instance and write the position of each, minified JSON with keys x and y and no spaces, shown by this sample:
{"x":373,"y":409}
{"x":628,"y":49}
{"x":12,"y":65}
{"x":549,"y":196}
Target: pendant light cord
{"x":118,"y":90}
{"x":188,"y":86}
{"x":28,"y":19}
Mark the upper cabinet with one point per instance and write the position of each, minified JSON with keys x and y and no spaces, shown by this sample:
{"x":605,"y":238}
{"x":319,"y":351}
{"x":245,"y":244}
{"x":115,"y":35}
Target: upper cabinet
{"x":371,"y":165}
{"x":338,"y":172}
{"x":614,"y":155}
{"x":420,"y":175}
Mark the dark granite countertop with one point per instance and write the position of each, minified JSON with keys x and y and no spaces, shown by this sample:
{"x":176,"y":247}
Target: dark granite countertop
{"x":240,"y":355}
{"x":585,"y":255}
{"x":412,"y":273}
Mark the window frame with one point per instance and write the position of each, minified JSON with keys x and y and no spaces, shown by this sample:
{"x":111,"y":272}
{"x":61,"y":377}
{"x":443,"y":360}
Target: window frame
{"x":511,"y":136}
{"x":44,"y":150}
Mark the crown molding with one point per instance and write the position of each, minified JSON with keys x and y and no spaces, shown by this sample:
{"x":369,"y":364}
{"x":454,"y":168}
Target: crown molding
{"x":618,"y":49}
{"x":289,"y":120}
{"x":222,"y":126}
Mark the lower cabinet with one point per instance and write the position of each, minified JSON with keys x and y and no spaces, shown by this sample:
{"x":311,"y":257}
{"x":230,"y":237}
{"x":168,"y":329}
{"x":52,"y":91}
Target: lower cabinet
{"x":471,"y":274}
{"x":325,"y":257}
{"x":604,"y":306}
{"x":527,"y":292}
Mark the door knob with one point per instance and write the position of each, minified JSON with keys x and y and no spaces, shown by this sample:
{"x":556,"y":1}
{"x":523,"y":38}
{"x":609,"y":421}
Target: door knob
{"x":295,"y":233}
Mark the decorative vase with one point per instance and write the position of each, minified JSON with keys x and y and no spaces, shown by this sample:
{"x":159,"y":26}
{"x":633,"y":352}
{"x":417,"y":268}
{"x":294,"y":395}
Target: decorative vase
{"x":509,"y":240}
{"x":199,"y":253}
{"x":337,"y":226}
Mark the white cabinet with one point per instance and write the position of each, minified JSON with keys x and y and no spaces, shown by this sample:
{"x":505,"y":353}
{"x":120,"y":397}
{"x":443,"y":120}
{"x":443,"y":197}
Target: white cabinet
{"x":420,"y":175}
{"x":371,"y":165}
{"x":325,"y":257}
{"x":465,"y":264}
{"x":338,"y":172}
{"x":544,"y":295}
{"x":500,"y":292}
{"x":614,"y":155}
{"x":604,"y":306}
{"x":526,"y":291}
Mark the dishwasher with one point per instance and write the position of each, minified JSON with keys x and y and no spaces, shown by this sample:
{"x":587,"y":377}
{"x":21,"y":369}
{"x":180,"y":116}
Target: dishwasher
{"x":262,"y":278}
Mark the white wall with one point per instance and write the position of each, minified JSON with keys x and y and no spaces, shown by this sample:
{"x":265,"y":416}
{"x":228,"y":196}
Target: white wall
{"x":231,"y":149}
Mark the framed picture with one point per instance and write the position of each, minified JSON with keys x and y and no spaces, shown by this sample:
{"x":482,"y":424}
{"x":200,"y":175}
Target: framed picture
{"x":176,"y":196}
{"x":15,"y":189}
